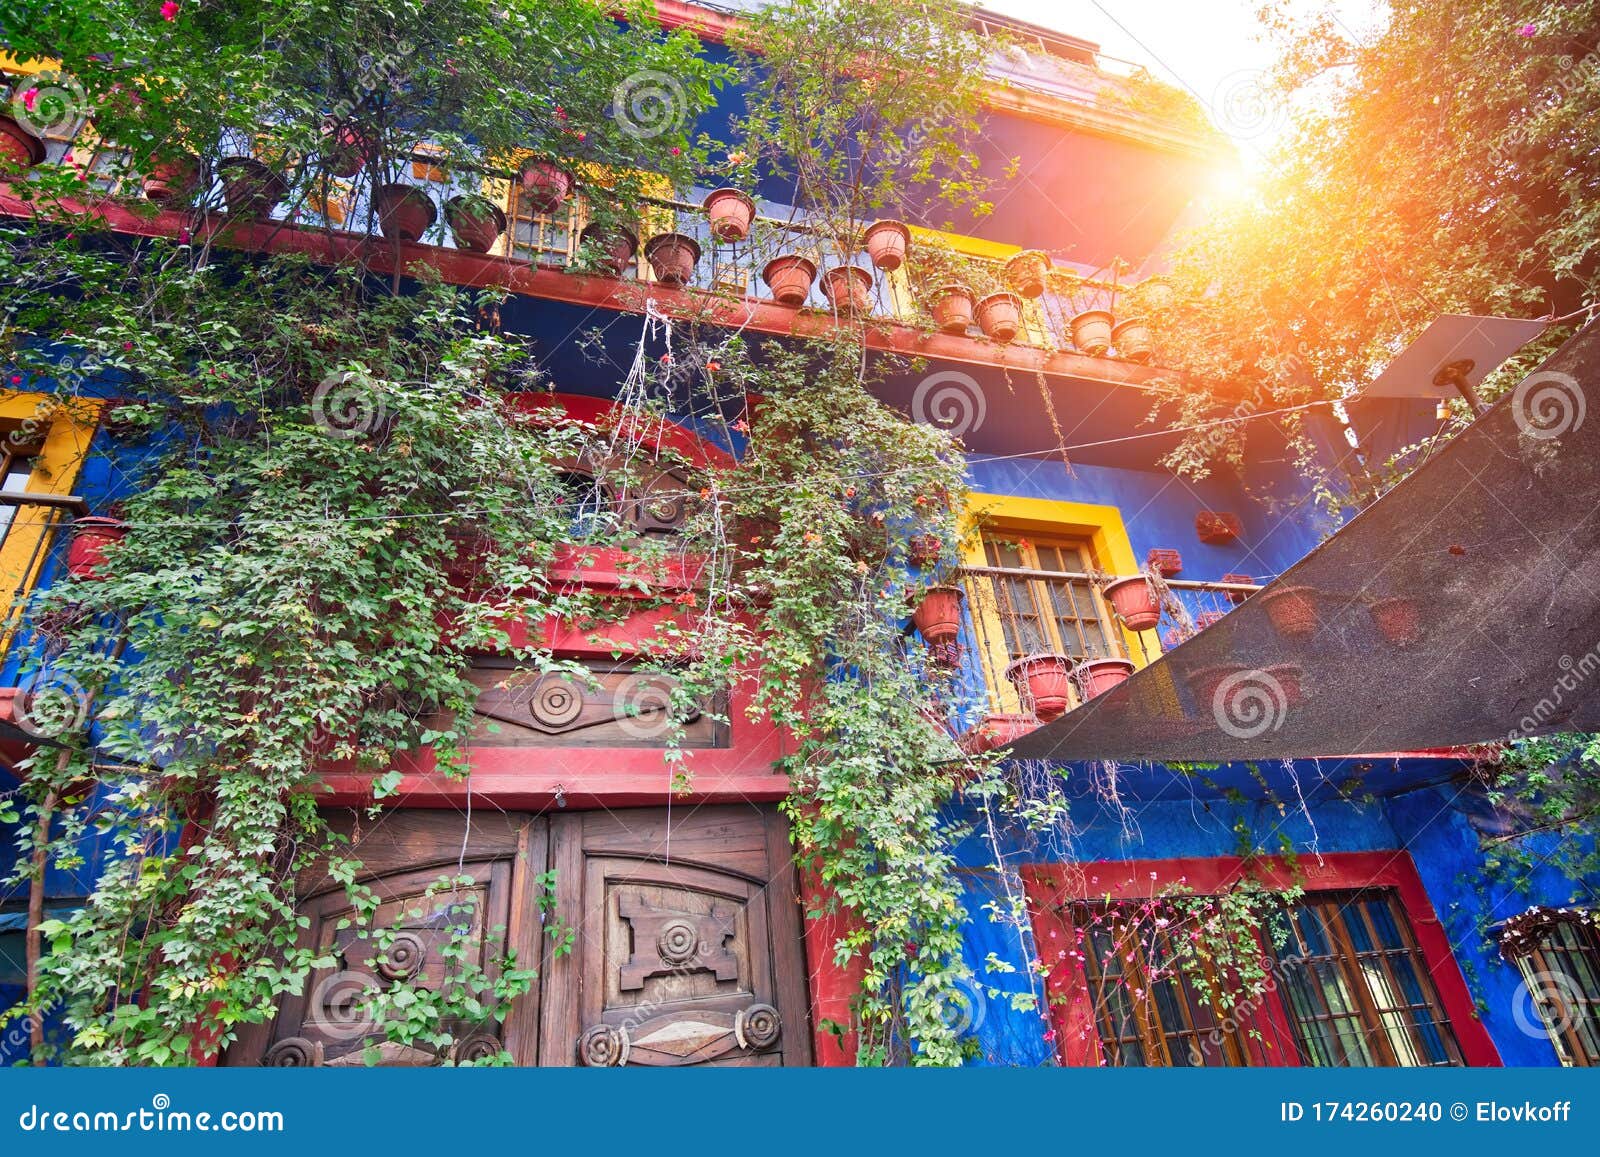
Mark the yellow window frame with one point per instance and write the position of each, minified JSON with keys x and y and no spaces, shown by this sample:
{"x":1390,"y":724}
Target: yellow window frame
{"x":1097,"y":526}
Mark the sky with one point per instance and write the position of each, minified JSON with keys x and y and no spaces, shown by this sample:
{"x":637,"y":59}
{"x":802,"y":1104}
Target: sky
{"x":1213,"y":48}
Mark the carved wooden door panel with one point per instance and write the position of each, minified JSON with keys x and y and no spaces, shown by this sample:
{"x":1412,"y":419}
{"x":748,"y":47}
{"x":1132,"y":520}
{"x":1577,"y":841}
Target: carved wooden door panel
{"x":433,"y":887}
{"x":688,"y":944}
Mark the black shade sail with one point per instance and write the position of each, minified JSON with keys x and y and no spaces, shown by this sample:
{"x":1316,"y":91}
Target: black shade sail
{"x":1462,"y":606}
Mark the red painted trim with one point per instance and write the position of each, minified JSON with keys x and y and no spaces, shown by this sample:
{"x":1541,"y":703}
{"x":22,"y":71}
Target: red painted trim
{"x":604,"y":413}
{"x":479,"y":271}
{"x":834,"y":987}
{"x":1049,"y":885}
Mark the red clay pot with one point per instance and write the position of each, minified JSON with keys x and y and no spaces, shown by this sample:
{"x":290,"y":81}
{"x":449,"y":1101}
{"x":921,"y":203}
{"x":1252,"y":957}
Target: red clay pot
{"x":730,"y":213}
{"x":1097,"y":676}
{"x":617,"y":243}
{"x":1218,"y":527}
{"x":249,"y":188}
{"x":1134,"y":602}
{"x":1044,"y":682}
{"x":1132,"y":340}
{"x":1237,"y":597}
{"x":672,"y":257}
{"x":345,"y":149}
{"x":1293,"y":611}
{"x":952,"y":306}
{"x":790,"y":279}
{"x":1203,"y":683}
{"x":1000,"y":316}
{"x":172,"y":181}
{"x":848,"y":289}
{"x":404,"y":211}
{"x":86,"y":550}
{"x":1398,"y":620}
{"x":1026,"y":272}
{"x":996,"y":731}
{"x":1091,"y":332}
{"x":545,"y":185}
{"x":475,"y":222}
{"x":887,"y":244}
{"x":1288,"y":677}
{"x":18,"y":146}
{"x":938,"y":617}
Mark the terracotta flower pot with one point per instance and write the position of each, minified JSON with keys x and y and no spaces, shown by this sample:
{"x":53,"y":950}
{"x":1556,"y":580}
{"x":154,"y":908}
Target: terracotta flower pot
{"x":1204,"y":682}
{"x":249,"y":188}
{"x":617,"y":243}
{"x":1097,"y":676}
{"x":18,"y":146}
{"x":1288,"y":677}
{"x":938,"y":616}
{"x":848,"y":289}
{"x":1000,"y":316}
{"x":672,"y":257}
{"x":1293,"y":611}
{"x":173,"y":181}
{"x":1134,"y":602}
{"x":86,"y":550}
{"x":1027,"y":272}
{"x":790,"y":279}
{"x":1154,"y":293}
{"x":1091,"y":332}
{"x":887,"y":244}
{"x":996,"y":731}
{"x":952,"y":308}
{"x":1044,"y":682}
{"x":1398,"y":620}
{"x":475,"y":222}
{"x":1132,"y":340}
{"x":404,"y":211}
{"x":545,"y":185}
{"x":730,"y":213}
{"x":345,"y":148}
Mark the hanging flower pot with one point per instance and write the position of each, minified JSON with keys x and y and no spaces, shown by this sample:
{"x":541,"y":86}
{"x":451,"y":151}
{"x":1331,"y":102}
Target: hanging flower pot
{"x":672,"y":257}
{"x":172,"y":182}
{"x":1154,"y":293}
{"x":848,"y":289}
{"x":1097,"y":676}
{"x":475,"y":221}
{"x":790,"y":278}
{"x":1132,"y":340}
{"x":938,"y":616}
{"x":924,"y":549}
{"x":1027,"y":272}
{"x":1293,"y":611}
{"x":952,"y":308}
{"x":887,"y":244}
{"x":730,"y":213}
{"x":345,"y":148}
{"x":18,"y":146}
{"x":1398,"y":620}
{"x":1044,"y":682}
{"x":1000,"y":316}
{"x":545,"y":185}
{"x":1134,"y":602}
{"x":616,"y":242}
{"x":1205,"y":682}
{"x":404,"y":212}
{"x":86,"y":549}
{"x":249,"y":188}
{"x":1288,"y":678}
{"x":1091,"y":332}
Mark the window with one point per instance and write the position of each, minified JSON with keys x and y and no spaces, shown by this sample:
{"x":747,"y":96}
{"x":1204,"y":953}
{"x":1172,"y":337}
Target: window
{"x":1357,"y":988}
{"x":1054,"y":610}
{"x":543,"y":238}
{"x":16,"y":467}
{"x":1558,"y":952}
{"x":1348,"y":987}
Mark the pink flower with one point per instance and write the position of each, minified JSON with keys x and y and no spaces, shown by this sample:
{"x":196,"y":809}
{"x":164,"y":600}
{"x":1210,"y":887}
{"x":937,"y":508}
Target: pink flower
{"x":29,"y":98}
{"x":169,"y":11}
{"x":1050,"y":1036}
{"x":1528,"y":30}
{"x":127,"y":345}
{"x":561,"y":113}
{"x":676,"y":151}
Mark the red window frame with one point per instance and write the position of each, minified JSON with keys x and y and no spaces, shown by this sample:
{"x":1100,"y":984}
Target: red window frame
{"x":1051,"y":888}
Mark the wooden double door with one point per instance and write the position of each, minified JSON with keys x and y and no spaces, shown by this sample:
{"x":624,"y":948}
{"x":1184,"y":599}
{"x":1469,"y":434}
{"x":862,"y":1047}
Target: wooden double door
{"x":684,"y":927}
